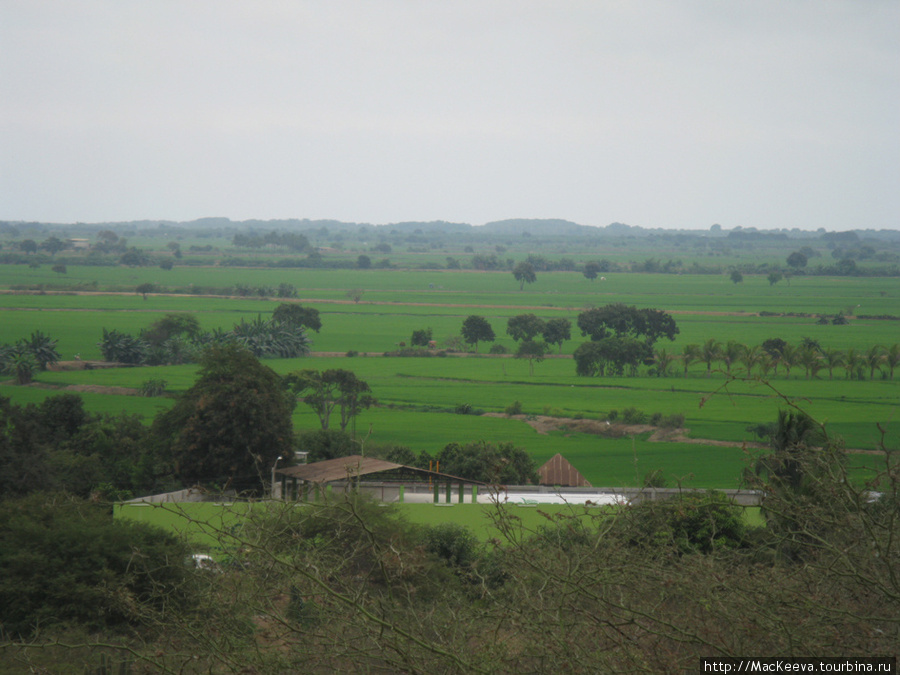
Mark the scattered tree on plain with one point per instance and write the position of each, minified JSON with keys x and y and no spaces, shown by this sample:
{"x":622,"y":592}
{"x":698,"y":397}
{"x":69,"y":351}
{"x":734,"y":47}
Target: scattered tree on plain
{"x":298,"y":315}
{"x":476,"y":329}
{"x":557,"y":331}
{"x":330,"y":390}
{"x":532,"y":350}
{"x":524,"y":274}
{"x":524,"y":327}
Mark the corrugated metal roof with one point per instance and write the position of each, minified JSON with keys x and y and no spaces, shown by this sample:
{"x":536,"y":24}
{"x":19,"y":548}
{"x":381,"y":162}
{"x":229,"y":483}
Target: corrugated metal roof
{"x":342,"y":468}
{"x":354,"y":466}
{"x":558,"y":471}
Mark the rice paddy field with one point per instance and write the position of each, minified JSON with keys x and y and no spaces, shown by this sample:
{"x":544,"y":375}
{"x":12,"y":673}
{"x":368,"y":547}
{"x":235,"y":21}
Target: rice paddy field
{"x":418,"y":397}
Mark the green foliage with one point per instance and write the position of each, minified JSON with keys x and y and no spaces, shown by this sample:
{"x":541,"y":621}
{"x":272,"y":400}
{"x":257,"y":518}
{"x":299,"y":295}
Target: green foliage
{"x":155,"y":387}
{"x":533,"y":351}
{"x":632,"y":415}
{"x":611,"y":356}
{"x":524,"y":327}
{"x":421,"y":337}
{"x":514,"y":409}
{"x":298,"y":315}
{"x":120,"y":347}
{"x":63,"y":561}
{"x":655,"y":479}
{"x":452,"y":543}
{"x":323,"y":444}
{"x":621,"y":321}
{"x":503,"y":463}
{"x":476,"y":329}
{"x":229,"y":427}
{"x":524,"y":273}
{"x":690,"y":523}
{"x":330,"y":390}
{"x":557,"y":331}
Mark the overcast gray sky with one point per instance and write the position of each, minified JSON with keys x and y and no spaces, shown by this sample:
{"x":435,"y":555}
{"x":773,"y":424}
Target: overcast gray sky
{"x":666,"y":113}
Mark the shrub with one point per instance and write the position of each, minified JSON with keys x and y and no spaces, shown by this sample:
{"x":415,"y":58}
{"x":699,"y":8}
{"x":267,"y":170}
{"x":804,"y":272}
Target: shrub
{"x":675,"y":421}
{"x":515,"y":408}
{"x":690,"y":523}
{"x":453,"y":543}
{"x":655,"y":479}
{"x":463,"y":409}
{"x":65,"y":561}
{"x":498,"y":349}
{"x":153,"y":387}
{"x":633,"y":416}
{"x":613,"y":415}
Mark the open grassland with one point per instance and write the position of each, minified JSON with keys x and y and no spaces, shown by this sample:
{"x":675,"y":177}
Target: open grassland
{"x":418,"y":397}
{"x":208,"y":525}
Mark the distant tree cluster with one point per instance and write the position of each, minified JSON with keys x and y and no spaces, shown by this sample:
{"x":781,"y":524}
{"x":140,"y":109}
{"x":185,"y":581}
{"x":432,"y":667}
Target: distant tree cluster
{"x":292,"y":241}
{"x":177,"y":338}
{"x":775,"y":353}
{"x":27,"y":355}
{"x":622,"y":338}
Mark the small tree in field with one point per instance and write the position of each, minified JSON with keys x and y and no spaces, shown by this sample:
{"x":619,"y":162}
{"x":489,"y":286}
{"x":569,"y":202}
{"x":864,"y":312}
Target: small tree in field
{"x":420,"y":338}
{"x":59,"y":268}
{"x":591,"y":270}
{"x":331,"y":390}
{"x":737,"y":277}
{"x":557,"y":331}
{"x":524,"y":274}
{"x":534,"y":351}
{"x":144,"y":289}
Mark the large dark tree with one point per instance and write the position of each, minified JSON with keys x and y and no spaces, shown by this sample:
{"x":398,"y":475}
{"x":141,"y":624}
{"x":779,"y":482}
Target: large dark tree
{"x":622,"y":320}
{"x":611,"y":356}
{"x":524,"y":327}
{"x":229,"y":428}
{"x":298,"y":315}
{"x":503,"y":463}
{"x":476,"y":329}
{"x":557,"y":331}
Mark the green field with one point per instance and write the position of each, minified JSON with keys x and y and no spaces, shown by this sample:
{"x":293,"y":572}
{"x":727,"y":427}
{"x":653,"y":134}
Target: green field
{"x":211,"y":526}
{"x":418,"y":397}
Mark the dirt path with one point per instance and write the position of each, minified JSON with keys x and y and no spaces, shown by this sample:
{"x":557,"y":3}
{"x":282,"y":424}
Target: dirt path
{"x":544,"y":425}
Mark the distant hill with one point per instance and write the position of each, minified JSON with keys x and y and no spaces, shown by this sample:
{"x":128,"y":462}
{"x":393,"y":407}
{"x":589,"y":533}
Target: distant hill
{"x":538,"y":226}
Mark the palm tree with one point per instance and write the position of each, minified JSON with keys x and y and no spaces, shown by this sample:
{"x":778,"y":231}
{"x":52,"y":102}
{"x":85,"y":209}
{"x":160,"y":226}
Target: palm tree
{"x":766,"y":363}
{"x":794,"y":436}
{"x":710,"y":352}
{"x":811,"y":360}
{"x":689,"y":354}
{"x":853,"y":363}
{"x":17,"y":360}
{"x":752,"y":357}
{"x":892,"y":358}
{"x":789,"y":357}
{"x":663,"y":361}
{"x":873,"y":359}
{"x":43,"y":349}
{"x":833,"y":358}
{"x":732,"y":352}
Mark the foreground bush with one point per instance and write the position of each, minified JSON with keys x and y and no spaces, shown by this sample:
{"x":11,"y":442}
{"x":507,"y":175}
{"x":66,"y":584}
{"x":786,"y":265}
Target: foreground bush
{"x":67,"y":562}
